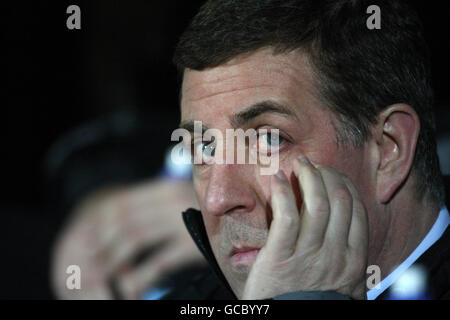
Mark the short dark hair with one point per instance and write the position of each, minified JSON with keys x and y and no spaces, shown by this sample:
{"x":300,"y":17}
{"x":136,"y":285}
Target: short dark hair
{"x":359,"y":71}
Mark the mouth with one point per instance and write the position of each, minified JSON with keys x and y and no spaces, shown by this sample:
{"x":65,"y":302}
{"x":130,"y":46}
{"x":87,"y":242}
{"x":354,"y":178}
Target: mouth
{"x":242,"y":255}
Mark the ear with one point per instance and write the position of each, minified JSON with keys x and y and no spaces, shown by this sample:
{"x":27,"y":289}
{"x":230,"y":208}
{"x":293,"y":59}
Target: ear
{"x":396,"y":134}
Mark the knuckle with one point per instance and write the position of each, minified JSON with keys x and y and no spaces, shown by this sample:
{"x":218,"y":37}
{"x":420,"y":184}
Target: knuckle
{"x":320,"y":206}
{"x":358,"y":250}
{"x":288,"y":221}
{"x":342,"y":195}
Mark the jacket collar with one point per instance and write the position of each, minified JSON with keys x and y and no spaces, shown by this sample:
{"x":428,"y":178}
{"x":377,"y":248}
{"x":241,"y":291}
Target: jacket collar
{"x":194,"y":223}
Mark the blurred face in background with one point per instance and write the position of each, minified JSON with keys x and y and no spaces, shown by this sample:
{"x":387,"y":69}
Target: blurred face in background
{"x":258,"y":90}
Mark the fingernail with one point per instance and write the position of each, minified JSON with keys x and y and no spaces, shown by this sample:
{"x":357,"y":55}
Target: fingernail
{"x":304,"y":160}
{"x":280,"y":175}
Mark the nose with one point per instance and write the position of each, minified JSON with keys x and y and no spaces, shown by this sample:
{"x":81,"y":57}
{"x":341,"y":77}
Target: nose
{"x":229,"y":190}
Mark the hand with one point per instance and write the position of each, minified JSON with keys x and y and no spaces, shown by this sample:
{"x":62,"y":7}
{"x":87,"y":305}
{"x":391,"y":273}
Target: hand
{"x":111,"y":228}
{"x":324,"y":248}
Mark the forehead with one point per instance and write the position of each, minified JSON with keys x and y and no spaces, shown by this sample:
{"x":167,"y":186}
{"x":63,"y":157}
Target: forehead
{"x":246,"y":79}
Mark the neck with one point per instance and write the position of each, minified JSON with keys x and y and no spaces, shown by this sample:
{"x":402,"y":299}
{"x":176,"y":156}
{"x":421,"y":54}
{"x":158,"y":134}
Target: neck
{"x":406,"y":223}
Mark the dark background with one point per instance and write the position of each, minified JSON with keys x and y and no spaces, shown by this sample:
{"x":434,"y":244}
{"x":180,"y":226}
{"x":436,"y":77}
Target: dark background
{"x":57,"y":79}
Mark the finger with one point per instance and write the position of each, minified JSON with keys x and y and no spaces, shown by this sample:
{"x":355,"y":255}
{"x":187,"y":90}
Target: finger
{"x":123,"y":251}
{"x":117,"y":219}
{"x":284,"y":228}
{"x":341,"y":207}
{"x":108,"y":225}
{"x":358,"y":237}
{"x":133,"y":284}
{"x":315,"y":208}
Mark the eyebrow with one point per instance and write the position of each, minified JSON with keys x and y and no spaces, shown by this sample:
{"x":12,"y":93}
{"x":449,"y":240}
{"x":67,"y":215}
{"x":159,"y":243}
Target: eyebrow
{"x":190,"y":126}
{"x":245,"y":116}
{"x":248,"y":114}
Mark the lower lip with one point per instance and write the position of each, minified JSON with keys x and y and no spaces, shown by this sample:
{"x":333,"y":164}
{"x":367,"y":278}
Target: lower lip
{"x":244,"y":258}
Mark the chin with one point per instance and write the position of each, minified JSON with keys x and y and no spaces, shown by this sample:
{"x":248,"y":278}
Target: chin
{"x":237,"y":277}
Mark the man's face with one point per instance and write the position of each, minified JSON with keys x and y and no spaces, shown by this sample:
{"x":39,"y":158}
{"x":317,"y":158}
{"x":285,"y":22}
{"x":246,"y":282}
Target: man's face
{"x":235,"y":198}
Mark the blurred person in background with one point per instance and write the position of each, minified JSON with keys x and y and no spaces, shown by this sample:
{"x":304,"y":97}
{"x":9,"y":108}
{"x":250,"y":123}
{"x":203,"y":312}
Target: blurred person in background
{"x":123,"y":228}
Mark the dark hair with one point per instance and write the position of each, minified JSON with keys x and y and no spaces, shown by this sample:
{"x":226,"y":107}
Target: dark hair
{"x":111,"y":150}
{"x":359,"y":72}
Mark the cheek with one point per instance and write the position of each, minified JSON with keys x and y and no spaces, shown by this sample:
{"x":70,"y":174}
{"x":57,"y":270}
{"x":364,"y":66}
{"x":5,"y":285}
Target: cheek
{"x":262,"y":188}
{"x":200,"y":186}
{"x":356,"y":165}
{"x":212,"y":223}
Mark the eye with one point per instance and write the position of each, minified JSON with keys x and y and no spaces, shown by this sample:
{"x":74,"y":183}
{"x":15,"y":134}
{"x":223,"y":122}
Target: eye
{"x":269,"y":141}
{"x":203,"y":152}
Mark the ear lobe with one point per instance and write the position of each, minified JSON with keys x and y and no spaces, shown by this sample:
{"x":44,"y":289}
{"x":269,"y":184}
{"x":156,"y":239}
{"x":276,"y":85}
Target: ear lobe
{"x":396,"y":132}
